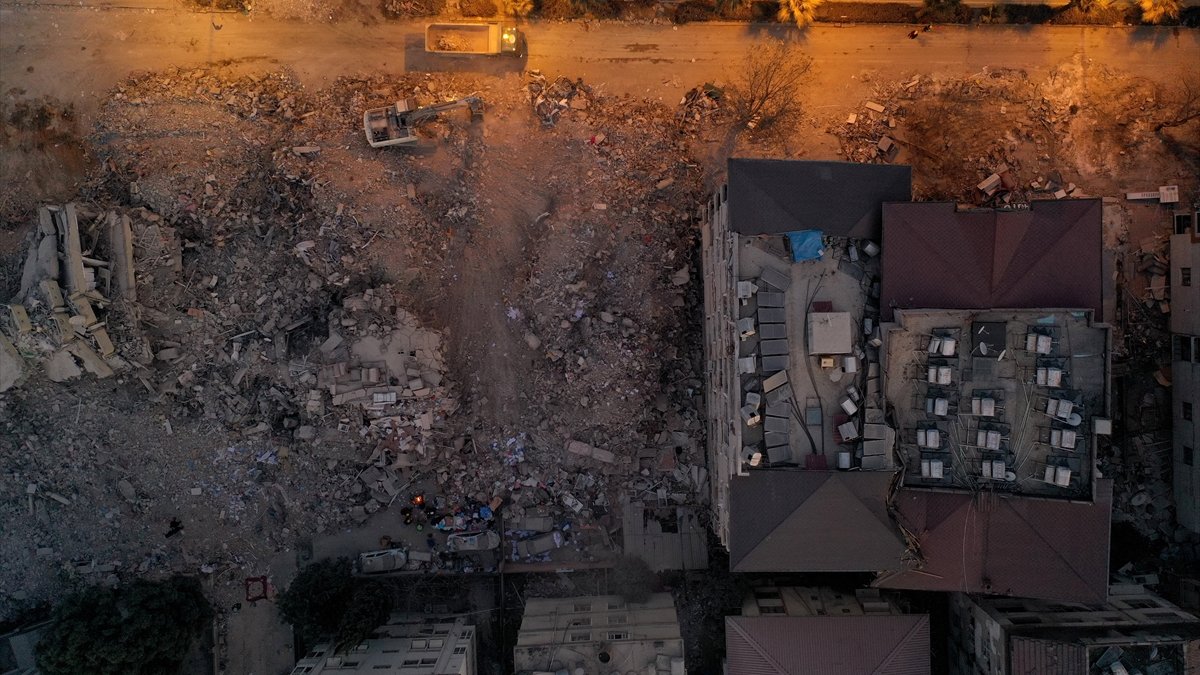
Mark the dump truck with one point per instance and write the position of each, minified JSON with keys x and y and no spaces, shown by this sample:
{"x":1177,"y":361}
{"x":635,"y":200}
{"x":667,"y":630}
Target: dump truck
{"x":467,"y":39}
{"x":393,"y":125}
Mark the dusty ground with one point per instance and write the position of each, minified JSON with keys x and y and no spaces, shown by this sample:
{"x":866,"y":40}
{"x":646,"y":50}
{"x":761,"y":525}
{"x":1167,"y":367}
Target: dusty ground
{"x":556,"y":271}
{"x":555,"y":263}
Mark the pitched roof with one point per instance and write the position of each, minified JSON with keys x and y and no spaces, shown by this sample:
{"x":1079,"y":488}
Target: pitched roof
{"x":1007,"y":545}
{"x":773,"y":196}
{"x":935,"y":257}
{"x":783,"y":645}
{"x":811,"y":521}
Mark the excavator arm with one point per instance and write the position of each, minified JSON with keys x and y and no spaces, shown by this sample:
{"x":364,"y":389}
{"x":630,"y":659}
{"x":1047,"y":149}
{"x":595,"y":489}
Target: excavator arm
{"x":415,"y":117}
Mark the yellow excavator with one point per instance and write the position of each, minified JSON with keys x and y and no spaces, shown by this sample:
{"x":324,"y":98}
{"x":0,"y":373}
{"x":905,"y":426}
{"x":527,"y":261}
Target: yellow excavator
{"x":393,"y":125}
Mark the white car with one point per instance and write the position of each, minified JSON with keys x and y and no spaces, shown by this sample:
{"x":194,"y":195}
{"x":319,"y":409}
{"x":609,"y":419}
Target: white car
{"x":478,"y":541}
{"x":382,"y":562}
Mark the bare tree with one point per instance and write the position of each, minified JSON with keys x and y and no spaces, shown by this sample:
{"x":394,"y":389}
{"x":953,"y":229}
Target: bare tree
{"x":1180,"y":103}
{"x":774,"y":76}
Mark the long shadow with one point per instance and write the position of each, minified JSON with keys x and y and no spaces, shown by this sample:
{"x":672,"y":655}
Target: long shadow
{"x":417,"y":60}
{"x":776,"y":31}
{"x":1156,"y":36}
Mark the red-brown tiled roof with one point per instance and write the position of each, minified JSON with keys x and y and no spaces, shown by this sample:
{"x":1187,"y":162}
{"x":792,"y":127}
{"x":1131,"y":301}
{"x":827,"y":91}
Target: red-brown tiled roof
{"x":808,"y":645}
{"x":1031,"y":656}
{"x":1007,"y":545}
{"x":1049,"y":256}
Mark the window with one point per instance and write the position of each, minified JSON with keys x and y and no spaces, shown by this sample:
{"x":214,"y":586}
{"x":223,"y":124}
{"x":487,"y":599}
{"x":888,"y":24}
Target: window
{"x":617,"y":604}
{"x":581,"y":637}
{"x":460,"y":650}
{"x":585,"y":621}
{"x":420,"y":644}
{"x":391,"y":651}
{"x":1187,"y":410}
{"x":771,"y":610}
{"x":1183,"y":348}
{"x":383,"y":667}
{"x":1185,"y":276}
{"x":659,"y":644}
{"x":1188,"y":453}
{"x":618,"y":636}
{"x":617,"y":619}
{"x":1024,"y":619}
{"x":437,"y":644}
{"x":583,"y":607}
{"x":429,"y":661}
{"x":411,"y":662}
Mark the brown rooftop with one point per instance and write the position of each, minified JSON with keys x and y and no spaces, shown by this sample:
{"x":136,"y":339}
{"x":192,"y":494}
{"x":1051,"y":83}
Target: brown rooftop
{"x":935,"y":257}
{"x":1007,"y":545}
{"x":895,"y":645}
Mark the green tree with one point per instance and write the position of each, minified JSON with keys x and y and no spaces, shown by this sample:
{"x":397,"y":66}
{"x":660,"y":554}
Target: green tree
{"x":369,"y":608}
{"x":318,"y":597}
{"x":517,"y":8}
{"x":633,"y":579}
{"x":799,"y":12}
{"x":143,"y":629}
{"x":1158,"y":11}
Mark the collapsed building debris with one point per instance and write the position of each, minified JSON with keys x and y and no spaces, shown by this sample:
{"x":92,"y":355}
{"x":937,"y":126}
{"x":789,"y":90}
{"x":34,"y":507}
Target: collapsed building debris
{"x":550,"y":98}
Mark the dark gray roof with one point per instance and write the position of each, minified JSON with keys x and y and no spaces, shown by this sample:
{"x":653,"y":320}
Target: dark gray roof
{"x":811,"y":521}
{"x":842,"y":199}
{"x":784,"y":645}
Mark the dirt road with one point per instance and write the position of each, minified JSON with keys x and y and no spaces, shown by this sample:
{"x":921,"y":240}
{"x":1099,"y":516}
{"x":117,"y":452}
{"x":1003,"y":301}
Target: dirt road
{"x":76,"y":52}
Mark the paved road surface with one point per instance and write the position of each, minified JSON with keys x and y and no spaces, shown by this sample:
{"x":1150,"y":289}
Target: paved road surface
{"x":75,"y":52}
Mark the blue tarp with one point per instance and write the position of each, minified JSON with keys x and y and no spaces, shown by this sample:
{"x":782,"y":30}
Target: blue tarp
{"x":806,"y":245}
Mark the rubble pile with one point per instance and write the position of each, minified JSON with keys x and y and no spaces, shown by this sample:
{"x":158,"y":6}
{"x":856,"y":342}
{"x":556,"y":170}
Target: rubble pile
{"x":1143,"y":494}
{"x":199,"y":143}
{"x":255,"y":273}
{"x":551,"y":98}
{"x":967,"y":138}
{"x":699,"y":104}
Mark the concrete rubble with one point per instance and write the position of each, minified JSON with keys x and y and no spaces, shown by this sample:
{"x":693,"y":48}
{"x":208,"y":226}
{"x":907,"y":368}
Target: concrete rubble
{"x":231,"y":357}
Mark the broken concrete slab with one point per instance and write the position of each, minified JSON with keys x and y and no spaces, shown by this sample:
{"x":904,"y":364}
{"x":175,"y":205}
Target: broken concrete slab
{"x":12,"y":366}
{"x":120,"y":238}
{"x":90,"y":359}
{"x":20,"y":318}
{"x":584,"y":450}
{"x":126,"y":489}
{"x":68,"y":233}
{"x":61,"y":366}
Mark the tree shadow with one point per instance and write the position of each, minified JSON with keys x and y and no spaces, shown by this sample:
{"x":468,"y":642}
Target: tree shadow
{"x":1153,"y":36}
